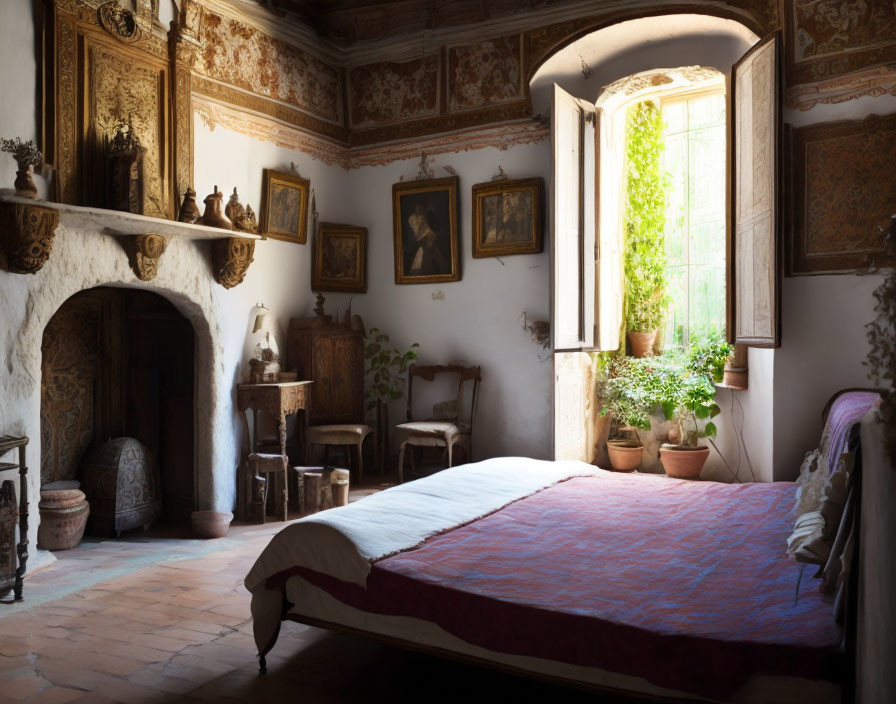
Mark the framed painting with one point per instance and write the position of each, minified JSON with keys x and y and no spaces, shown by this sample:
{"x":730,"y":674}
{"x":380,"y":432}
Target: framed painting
{"x":340,"y":258}
{"x":284,"y":206}
{"x":424,"y":220}
{"x":507,"y":217}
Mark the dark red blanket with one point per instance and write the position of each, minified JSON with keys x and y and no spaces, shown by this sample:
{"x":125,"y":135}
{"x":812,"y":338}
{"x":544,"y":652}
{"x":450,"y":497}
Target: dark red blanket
{"x":686,"y":584}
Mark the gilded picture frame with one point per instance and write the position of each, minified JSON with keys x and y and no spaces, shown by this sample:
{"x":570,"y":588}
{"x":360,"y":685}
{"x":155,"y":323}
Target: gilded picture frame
{"x":508,"y":217}
{"x":424,"y":220}
{"x":340,"y":258}
{"x":284,"y":206}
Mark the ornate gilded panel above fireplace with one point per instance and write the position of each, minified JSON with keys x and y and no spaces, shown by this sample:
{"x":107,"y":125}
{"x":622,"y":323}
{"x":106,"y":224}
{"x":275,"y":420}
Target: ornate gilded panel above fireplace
{"x":101,"y":80}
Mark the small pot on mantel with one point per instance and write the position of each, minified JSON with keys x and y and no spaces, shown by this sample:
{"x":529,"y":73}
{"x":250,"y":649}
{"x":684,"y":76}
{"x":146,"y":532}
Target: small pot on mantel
{"x":211,"y":524}
{"x":641,"y":342}
{"x":683,"y":462}
{"x":625,"y":455}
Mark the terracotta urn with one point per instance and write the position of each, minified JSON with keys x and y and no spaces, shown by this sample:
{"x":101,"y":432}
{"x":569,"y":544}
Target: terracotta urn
{"x":63,"y":516}
{"x":641,"y":343}
{"x":214,"y":211}
{"x":735,"y":377}
{"x":683,"y":462}
{"x":625,"y":455}
{"x":211,"y":524}
{"x":24,"y":184}
{"x":189,"y":211}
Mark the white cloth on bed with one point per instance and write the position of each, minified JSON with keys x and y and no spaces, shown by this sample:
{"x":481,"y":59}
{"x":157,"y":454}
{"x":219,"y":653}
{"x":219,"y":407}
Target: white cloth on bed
{"x":344,"y":542}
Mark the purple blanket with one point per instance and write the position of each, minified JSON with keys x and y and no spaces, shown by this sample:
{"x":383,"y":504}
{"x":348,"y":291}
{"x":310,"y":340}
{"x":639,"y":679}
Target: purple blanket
{"x":686,"y":584}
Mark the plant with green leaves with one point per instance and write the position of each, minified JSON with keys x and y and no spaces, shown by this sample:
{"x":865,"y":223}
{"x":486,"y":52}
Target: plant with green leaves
{"x":708,"y":356}
{"x":384,"y":368}
{"x":626,"y":392}
{"x":646,"y":300}
{"x":688,"y":397}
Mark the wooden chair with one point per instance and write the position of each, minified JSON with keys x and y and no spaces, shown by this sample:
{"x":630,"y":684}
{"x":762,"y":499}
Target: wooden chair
{"x":445,"y":428}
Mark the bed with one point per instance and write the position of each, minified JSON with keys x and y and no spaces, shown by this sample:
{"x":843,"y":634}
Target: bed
{"x":669,"y":588}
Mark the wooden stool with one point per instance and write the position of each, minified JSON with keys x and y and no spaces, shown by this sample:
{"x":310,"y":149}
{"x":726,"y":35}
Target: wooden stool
{"x":262,"y":464}
{"x":321,"y":488}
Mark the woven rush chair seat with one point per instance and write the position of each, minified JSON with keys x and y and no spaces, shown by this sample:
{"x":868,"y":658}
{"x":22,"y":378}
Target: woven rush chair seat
{"x":344,"y":434}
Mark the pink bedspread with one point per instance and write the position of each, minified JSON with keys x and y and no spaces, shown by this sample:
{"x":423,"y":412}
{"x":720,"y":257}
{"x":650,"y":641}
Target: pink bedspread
{"x":684,"y":583}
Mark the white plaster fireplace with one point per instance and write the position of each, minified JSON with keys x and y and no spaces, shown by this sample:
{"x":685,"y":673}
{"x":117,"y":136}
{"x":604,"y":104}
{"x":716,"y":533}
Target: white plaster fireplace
{"x":84,"y":256}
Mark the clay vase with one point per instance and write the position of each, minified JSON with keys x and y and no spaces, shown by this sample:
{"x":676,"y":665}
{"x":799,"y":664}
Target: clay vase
{"x":63,"y":516}
{"x":24,"y":184}
{"x":641,"y":343}
{"x":211,"y":524}
{"x":625,"y":455}
{"x":735,"y":377}
{"x":189,"y":211}
{"x":214,"y":213}
{"x":683,"y":462}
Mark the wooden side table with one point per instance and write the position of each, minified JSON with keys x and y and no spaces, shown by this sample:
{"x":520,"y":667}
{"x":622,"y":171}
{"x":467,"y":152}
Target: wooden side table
{"x":278,"y":400}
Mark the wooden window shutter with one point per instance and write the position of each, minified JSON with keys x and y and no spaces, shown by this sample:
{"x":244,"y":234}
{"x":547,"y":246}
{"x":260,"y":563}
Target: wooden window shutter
{"x":573,"y":222}
{"x":754,"y":281}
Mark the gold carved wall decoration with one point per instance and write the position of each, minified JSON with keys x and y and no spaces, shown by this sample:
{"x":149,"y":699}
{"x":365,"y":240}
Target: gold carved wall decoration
{"x":120,"y":22}
{"x":27,"y":232}
{"x":231,"y":257}
{"x":144,"y":254}
{"x":95,"y":82}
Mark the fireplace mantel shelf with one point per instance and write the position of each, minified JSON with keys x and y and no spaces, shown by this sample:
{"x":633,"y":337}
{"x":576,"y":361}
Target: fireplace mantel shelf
{"x":27,"y":228}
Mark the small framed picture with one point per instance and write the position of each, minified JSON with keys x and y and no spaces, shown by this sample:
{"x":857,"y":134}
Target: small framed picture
{"x":284,"y":206}
{"x":424,"y":221}
{"x":340,"y":258}
{"x":507,"y":217}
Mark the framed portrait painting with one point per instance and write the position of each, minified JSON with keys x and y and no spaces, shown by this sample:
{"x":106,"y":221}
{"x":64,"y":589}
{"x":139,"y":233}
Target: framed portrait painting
{"x":424,"y":220}
{"x":284,"y":206}
{"x":340,"y":258}
{"x":508,"y":217}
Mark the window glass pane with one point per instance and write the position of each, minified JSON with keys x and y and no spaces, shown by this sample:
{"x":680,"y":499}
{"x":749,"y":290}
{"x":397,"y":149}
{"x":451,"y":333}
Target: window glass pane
{"x":695,"y":160}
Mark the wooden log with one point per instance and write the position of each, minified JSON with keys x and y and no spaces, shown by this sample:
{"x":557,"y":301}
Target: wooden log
{"x":340,"y":491}
{"x":312,"y":482}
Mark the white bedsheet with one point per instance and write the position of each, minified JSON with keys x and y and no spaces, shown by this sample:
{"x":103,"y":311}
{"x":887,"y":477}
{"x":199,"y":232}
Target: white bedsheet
{"x":344,"y":542}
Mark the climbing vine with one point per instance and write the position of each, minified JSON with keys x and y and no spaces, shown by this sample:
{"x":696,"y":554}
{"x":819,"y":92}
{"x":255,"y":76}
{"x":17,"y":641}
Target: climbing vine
{"x":646,"y":300}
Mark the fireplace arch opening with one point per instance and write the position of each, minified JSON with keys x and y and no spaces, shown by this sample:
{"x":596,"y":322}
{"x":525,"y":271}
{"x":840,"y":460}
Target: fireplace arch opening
{"x":120,"y":362}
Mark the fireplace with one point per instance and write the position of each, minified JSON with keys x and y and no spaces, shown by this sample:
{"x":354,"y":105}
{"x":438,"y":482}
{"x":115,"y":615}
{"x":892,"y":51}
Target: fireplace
{"x":119,"y":362}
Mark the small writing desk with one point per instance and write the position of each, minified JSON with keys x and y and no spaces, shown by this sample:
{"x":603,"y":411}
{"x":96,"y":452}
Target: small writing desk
{"x":278,"y":400}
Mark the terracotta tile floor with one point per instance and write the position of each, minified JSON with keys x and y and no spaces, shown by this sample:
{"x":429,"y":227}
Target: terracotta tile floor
{"x":180,"y":630}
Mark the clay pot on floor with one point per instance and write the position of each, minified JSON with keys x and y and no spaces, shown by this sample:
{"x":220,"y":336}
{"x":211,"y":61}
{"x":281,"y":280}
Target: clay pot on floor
{"x":63,"y":516}
{"x":625,"y":455}
{"x":683,"y":462}
{"x":211,"y":524}
{"x":641,"y":343}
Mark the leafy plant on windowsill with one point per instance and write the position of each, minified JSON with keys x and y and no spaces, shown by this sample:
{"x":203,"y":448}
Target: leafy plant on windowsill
{"x":646,"y":300}
{"x":709,"y":355}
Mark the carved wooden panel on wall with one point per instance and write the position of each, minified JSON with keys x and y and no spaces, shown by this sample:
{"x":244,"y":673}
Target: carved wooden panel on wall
{"x":101,"y":78}
{"x":844,"y":192}
{"x":70,"y":352}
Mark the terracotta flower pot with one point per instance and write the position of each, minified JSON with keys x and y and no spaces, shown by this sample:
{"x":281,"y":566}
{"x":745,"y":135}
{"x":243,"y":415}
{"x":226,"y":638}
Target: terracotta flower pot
{"x":641,"y":343}
{"x":211,"y":524}
{"x":735,"y":377}
{"x":683,"y":462}
{"x":62,"y":520}
{"x":625,"y":455}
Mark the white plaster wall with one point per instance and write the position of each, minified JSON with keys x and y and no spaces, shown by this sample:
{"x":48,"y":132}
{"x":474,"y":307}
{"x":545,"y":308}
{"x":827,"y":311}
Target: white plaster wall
{"x":479,"y":321}
{"x":824,"y":344}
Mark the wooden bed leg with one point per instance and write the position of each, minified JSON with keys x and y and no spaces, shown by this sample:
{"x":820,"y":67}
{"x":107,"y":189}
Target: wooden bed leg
{"x":262,"y":665}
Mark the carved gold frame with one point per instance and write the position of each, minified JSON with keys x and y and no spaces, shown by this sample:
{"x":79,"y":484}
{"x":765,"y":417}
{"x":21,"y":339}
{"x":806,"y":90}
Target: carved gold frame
{"x":319,"y":280}
{"x":271,"y":179}
{"x":481,"y":191}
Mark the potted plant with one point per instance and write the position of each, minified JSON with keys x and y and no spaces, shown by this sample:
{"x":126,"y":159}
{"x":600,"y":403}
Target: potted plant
{"x":384,"y":382}
{"x":625,"y":394}
{"x":688,"y":398}
{"x":646,"y":300}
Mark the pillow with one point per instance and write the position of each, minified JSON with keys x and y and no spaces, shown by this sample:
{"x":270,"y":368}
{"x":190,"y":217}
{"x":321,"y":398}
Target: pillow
{"x":810,"y":483}
{"x":815,"y":529}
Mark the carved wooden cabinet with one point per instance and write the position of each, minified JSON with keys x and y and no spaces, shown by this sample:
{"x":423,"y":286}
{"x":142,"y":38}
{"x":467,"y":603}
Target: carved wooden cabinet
{"x":331,"y":355}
